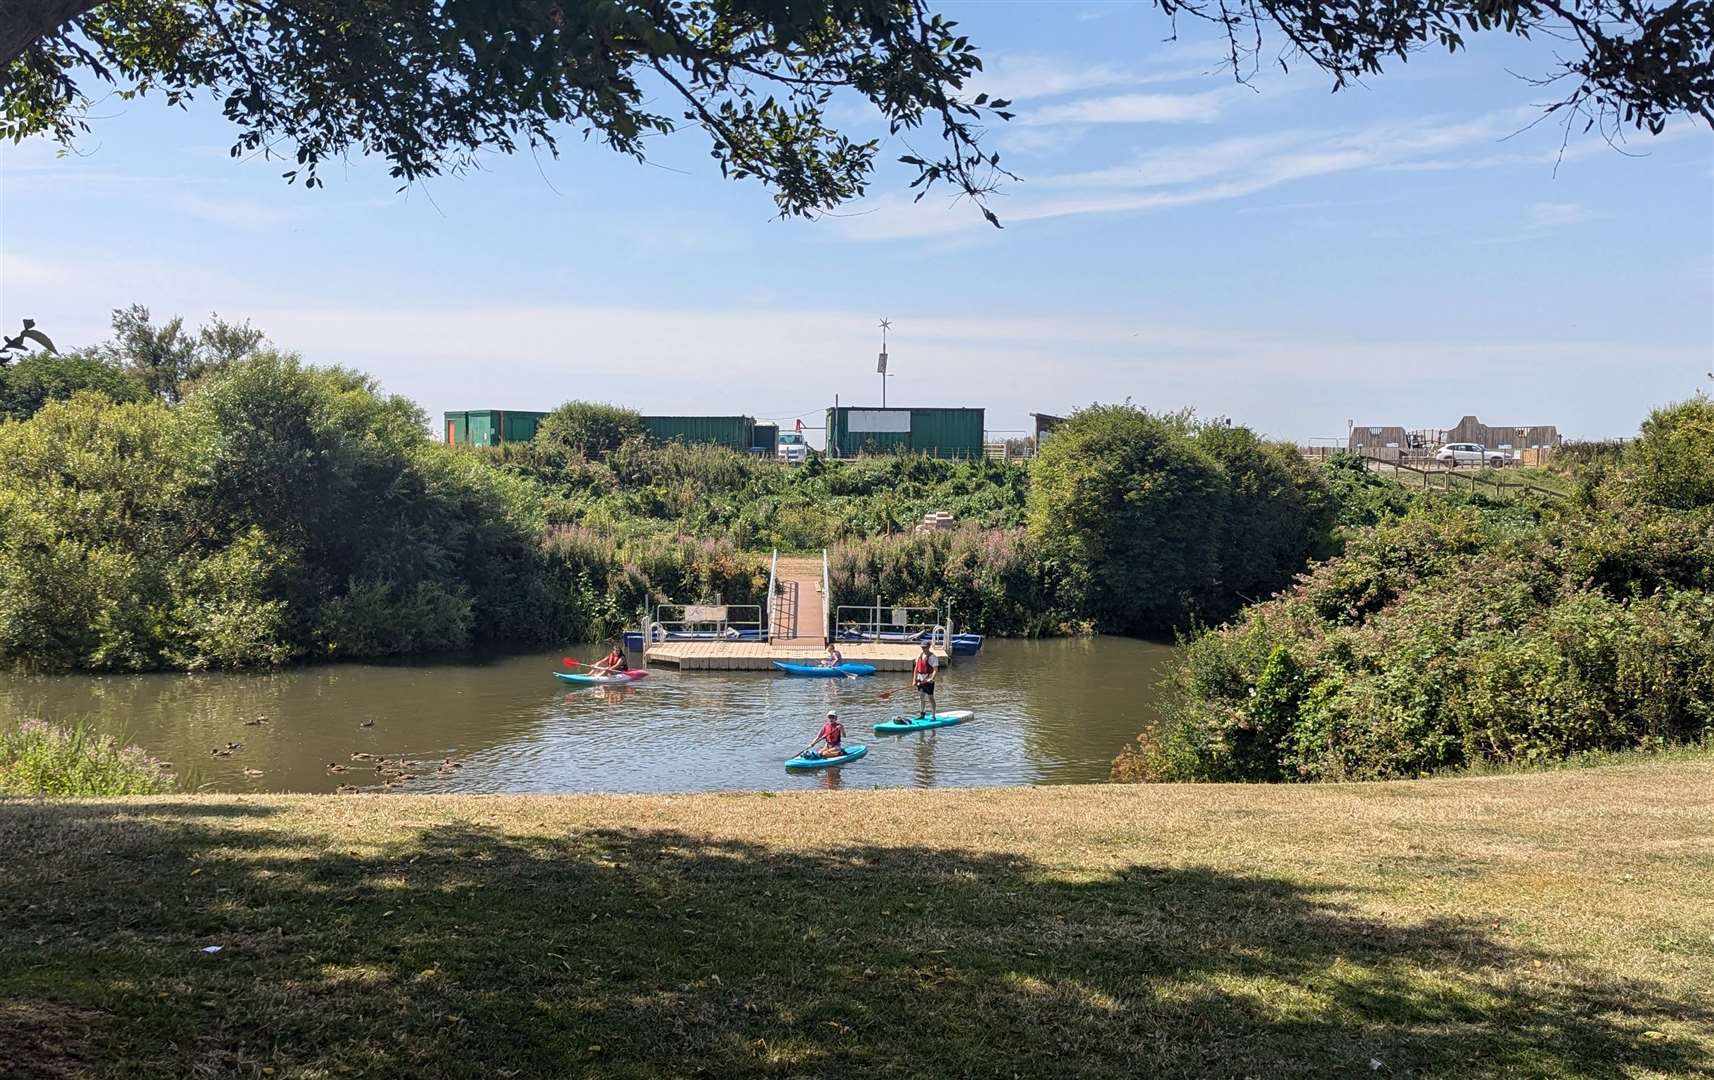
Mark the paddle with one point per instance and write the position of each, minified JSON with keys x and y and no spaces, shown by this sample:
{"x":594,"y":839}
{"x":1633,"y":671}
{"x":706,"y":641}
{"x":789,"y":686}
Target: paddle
{"x":569,"y":662}
{"x":805,"y":751}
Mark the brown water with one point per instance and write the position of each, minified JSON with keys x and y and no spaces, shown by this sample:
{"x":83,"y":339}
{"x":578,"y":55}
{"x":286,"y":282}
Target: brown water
{"x":1047,"y":712}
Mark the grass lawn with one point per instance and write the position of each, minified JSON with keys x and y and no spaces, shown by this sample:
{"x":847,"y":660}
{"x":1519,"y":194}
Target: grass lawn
{"x":1550,"y":925}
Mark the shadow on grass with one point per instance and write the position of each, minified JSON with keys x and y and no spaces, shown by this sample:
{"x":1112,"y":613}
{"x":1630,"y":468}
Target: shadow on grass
{"x":468,"y":952}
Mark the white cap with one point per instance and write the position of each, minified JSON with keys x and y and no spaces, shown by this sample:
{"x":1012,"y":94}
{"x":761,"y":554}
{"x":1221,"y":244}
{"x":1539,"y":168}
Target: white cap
{"x":831,"y":715}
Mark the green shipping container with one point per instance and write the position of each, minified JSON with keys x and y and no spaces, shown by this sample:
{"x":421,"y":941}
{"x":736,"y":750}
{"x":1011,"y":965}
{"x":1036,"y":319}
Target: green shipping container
{"x":491,"y":427}
{"x":766,"y":440}
{"x":735,"y":432}
{"x":947,"y":433}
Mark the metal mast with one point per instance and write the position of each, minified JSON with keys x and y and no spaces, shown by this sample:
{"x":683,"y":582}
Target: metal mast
{"x":881,"y":366}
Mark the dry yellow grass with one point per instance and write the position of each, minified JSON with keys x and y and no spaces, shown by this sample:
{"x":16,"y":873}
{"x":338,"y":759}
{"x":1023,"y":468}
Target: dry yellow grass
{"x":1547,"y":925}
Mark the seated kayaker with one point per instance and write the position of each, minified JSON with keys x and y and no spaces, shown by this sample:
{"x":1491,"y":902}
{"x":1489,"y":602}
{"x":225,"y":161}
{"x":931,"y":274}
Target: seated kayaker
{"x":834,"y":657}
{"x":833,"y":734}
{"x":612,"y":662}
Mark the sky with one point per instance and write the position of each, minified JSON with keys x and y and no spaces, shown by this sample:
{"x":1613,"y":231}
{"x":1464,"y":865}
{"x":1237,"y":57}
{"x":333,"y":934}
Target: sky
{"x":1407,"y":251}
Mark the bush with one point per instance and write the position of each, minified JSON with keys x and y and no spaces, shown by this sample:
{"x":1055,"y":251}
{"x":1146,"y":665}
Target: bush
{"x":280,"y":513}
{"x":44,"y":760}
{"x":607,"y":584}
{"x":995,"y":581}
{"x":1672,"y":463}
{"x":36,"y":379}
{"x":588,"y":429}
{"x":759,"y":504}
{"x":1161,"y":522}
{"x":1360,"y":496}
{"x":1456,"y":636}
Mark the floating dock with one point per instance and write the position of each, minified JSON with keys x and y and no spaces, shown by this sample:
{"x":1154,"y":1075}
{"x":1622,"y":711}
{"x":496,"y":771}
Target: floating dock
{"x":798,"y":623}
{"x":761,"y":655}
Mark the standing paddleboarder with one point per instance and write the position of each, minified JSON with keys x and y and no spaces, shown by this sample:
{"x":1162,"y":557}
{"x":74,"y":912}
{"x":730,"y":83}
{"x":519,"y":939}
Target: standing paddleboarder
{"x":922,"y":674}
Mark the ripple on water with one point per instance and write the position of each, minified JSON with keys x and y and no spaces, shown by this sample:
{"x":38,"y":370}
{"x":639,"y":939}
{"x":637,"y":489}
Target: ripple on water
{"x":1046,"y":712}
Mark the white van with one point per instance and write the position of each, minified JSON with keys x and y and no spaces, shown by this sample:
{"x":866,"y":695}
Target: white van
{"x":793,"y":450}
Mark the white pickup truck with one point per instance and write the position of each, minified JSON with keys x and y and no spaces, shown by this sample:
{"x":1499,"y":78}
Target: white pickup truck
{"x":793,"y":450}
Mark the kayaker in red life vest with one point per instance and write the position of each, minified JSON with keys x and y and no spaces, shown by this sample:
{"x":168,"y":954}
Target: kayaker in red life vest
{"x":833,"y":734}
{"x":613,"y":662}
{"x":922,"y":674}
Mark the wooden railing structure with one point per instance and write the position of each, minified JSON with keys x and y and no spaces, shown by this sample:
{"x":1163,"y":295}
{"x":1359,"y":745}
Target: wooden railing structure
{"x":1471,"y":479}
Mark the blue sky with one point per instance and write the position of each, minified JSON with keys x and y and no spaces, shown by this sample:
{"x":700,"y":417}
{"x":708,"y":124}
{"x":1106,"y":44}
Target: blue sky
{"x":1400,"y":252}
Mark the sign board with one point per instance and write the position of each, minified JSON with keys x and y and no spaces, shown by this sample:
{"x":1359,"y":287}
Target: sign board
{"x":901,"y":616}
{"x":700,"y":613}
{"x":871,"y":421}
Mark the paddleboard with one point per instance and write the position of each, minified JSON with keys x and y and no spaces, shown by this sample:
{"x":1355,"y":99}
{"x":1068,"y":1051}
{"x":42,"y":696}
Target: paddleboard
{"x":816,"y":671}
{"x":905,"y":725}
{"x":852,"y":753}
{"x":617,"y":679}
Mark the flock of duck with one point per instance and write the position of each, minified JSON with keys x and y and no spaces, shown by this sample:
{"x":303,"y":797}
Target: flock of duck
{"x":393,"y":771}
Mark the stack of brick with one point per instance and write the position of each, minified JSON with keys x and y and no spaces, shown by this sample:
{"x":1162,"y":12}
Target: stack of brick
{"x":936,"y":521}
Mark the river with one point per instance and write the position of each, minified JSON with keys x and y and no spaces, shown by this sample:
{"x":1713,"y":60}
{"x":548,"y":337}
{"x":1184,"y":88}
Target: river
{"x":1047,"y":712}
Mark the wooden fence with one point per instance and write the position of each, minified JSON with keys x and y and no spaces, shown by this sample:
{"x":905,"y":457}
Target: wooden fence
{"x":1472,"y":480}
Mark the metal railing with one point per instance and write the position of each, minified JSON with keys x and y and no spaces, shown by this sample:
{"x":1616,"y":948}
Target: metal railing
{"x":773,"y":576}
{"x":706,"y":622}
{"x":892,"y":624}
{"x":826,"y":601}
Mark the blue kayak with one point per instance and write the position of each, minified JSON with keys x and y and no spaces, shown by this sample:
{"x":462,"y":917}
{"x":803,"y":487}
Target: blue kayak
{"x":908,"y":724}
{"x":617,"y":678}
{"x":852,"y":753}
{"x":816,"y":671}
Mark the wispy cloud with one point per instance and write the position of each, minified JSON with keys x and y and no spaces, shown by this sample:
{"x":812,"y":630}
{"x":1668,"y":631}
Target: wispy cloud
{"x":1193,"y":173}
{"x":1542,"y":216}
{"x":1030,"y":77}
{"x":1133,"y":109}
{"x":235,"y":213}
{"x":1026,"y":77}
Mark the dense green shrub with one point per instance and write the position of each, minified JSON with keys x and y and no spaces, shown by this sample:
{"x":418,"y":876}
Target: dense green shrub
{"x":588,"y":429}
{"x":1130,"y":502}
{"x":1672,"y":463}
{"x":38,"y":378}
{"x":609,"y":584}
{"x":1276,"y":513}
{"x":1161,"y":522}
{"x":994,"y":581}
{"x":638,"y":489}
{"x":1458,"y":636}
{"x":42,"y":759}
{"x":280,"y":513}
{"x":1361,"y":496}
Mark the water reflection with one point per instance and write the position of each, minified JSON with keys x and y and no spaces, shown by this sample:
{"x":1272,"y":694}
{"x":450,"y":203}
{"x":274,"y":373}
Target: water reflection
{"x":1046,"y":712}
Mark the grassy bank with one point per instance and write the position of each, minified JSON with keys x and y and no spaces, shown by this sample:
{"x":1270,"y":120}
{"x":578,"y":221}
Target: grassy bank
{"x":1553,"y":925}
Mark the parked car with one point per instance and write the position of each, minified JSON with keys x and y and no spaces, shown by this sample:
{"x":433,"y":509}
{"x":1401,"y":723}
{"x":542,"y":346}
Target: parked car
{"x":1469,"y":453}
{"x":793,"y":450}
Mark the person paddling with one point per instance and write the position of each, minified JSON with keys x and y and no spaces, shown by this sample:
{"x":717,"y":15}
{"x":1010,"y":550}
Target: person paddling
{"x":833,"y":658}
{"x":922,"y":676}
{"x":833,"y":734}
{"x":613,"y":662}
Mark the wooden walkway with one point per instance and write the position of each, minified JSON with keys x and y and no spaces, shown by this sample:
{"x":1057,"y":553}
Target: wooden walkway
{"x":797,"y":620}
{"x":760,"y":656}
